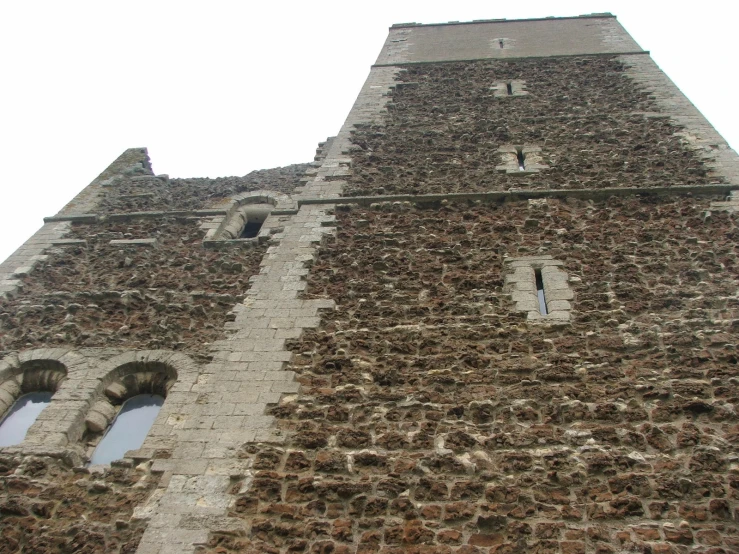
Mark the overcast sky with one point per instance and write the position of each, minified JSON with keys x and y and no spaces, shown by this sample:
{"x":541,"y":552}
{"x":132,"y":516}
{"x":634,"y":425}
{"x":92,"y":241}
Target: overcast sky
{"x":222,"y":88}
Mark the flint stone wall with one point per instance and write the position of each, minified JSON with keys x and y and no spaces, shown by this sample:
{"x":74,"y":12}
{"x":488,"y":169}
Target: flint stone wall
{"x":427,"y":414}
{"x":433,"y":418}
{"x":46,"y":508}
{"x":173,"y":294}
{"x":597,"y":127}
{"x":150,"y":193}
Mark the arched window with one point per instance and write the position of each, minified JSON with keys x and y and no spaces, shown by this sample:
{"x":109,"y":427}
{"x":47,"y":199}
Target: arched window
{"x":127,"y":408}
{"x":21,"y":415}
{"x":129,"y":428}
{"x":247,"y":221}
{"x":25,"y":391}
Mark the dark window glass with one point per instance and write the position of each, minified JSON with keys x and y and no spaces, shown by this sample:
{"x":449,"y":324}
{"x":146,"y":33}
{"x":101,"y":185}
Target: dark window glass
{"x":129,"y":428}
{"x":21,"y":416}
{"x":540,"y":292}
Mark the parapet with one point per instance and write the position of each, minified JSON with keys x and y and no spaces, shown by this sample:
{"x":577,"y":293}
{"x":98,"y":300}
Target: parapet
{"x":499,"y":38}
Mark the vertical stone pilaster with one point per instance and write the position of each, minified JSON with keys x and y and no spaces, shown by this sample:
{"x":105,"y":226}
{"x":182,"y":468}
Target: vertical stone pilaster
{"x":134,"y":161}
{"x":731,"y":204}
{"x":699,"y":134}
{"x":369,"y":108}
{"x":227,"y":405}
{"x":21,"y":262}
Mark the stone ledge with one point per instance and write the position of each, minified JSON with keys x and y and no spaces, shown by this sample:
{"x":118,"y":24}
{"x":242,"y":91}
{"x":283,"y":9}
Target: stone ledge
{"x":210,"y":212}
{"x":77,"y":218}
{"x":69,"y":242}
{"x":133,"y":242}
{"x":144,"y":215}
{"x":524,"y":194}
{"x":603,"y":15}
{"x":240,"y":243}
{"x":71,"y":456}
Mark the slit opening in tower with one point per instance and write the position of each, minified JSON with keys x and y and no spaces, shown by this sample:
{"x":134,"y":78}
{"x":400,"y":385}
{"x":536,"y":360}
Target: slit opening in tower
{"x":509,"y":88}
{"x":540,"y":292}
{"x":521,"y":159}
{"x":500,"y":43}
{"x":251,"y":229}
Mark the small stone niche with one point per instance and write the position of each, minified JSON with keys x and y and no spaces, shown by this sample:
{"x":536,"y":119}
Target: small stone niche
{"x":521,"y":160}
{"x":249,"y":219}
{"x":509,"y":89}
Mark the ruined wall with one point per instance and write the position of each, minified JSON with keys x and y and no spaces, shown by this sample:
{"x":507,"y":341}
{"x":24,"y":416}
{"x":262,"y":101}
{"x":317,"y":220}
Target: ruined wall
{"x":432,"y":418}
{"x":174,"y":294}
{"x":446,"y":122}
{"x":144,"y":194}
{"x":117,"y":288}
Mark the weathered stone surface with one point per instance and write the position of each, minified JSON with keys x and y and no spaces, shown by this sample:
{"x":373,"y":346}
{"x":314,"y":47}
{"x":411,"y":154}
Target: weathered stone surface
{"x":154,"y":193}
{"x":175,"y":296}
{"x":437,"y":410}
{"x":46,"y":507}
{"x":443,"y":134}
{"x":431,"y":413}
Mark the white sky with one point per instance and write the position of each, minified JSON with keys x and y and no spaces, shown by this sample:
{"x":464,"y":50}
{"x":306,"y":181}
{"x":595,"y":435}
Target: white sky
{"x":222,"y":88}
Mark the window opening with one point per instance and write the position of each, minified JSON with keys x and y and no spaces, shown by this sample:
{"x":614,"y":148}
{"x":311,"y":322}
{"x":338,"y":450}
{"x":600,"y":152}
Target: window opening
{"x":521,"y":158}
{"x":250,"y":230}
{"x":22,"y":414}
{"x":540,"y":292}
{"x":129,"y":429}
{"x":509,"y":88}
{"x":500,"y":43}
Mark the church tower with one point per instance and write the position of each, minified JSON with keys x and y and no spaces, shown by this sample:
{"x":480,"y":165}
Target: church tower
{"x":498,"y":313}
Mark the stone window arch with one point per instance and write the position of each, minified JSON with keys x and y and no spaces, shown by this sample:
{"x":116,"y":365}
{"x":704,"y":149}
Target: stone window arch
{"x":26,"y":390}
{"x":247,"y":219}
{"x":246,"y":222}
{"x":136,"y":385}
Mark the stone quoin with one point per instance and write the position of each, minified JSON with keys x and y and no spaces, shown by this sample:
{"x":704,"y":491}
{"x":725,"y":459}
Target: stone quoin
{"x":498,"y":313}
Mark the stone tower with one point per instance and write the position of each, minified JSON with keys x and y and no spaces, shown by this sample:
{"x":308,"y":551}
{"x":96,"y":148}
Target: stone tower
{"x":498,"y":313}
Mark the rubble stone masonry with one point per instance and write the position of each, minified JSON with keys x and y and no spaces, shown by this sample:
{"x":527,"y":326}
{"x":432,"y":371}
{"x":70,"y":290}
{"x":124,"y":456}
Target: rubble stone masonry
{"x":434,"y":418}
{"x":374,"y":371}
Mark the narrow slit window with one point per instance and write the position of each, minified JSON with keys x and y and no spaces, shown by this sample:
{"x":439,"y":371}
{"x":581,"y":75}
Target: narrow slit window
{"x":521,"y":159}
{"x":509,"y":88}
{"x":21,"y":416}
{"x":500,"y":43}
{"x":251,"y":230}
{"x":129,"y":429}
{"x":540,"y":292}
